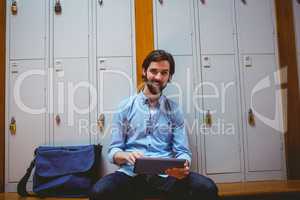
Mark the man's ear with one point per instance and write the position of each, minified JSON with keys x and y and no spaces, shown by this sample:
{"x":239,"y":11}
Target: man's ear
{"x":170,"y":78}
{"x":144,"y":73}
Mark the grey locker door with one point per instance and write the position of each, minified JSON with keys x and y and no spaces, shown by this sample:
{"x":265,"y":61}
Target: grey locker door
{"x":115,"y":83}
{"x":255,"y":21}
{"x":217,"y":27}
{"x":71,"y":29}
{"x":296,"y":10}
{"x":221,"y":99}
{"x":71,"y":101}
{"x":27,"y":30}
{"x":114,"y":28}
{"x":263,"y":141}
{"x":180,"y":90}
{"x":296,"y":7}
{"x":27,"y":106}
{"x":174,"y":26}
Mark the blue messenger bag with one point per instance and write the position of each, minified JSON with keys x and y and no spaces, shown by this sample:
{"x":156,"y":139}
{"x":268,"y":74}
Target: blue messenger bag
{"x":68,"y":171}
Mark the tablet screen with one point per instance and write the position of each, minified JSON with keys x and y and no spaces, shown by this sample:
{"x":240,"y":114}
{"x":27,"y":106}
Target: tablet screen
{"x":156,"y":165}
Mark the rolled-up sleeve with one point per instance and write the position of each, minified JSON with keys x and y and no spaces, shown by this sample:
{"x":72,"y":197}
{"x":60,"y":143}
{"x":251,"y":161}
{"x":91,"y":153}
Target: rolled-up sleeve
{"x":117,"y":134}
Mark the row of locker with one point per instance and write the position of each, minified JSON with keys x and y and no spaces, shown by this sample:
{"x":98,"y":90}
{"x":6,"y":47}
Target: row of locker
{"x":68,"y":71}
{"x":251,"y":21}
{"x":58,"y":65}
{"x":226,"y":55}
{"x":255,"y":34}
{"x":36,"y":24}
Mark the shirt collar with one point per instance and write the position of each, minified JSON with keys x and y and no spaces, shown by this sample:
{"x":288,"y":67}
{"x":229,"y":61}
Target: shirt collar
{"x":145,"y":100}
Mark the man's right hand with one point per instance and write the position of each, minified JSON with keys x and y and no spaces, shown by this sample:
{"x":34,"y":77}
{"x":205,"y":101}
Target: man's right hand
{"x":123,"y":157}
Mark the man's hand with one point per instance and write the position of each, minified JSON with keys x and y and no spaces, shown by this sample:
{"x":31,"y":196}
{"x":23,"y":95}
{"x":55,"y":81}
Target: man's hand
{"x":179,"y":173}
{"x":123,"y":157}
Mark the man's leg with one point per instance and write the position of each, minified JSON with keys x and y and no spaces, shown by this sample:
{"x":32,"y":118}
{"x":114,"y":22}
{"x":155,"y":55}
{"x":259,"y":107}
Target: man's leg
{"x":201,"y":187}
{"x":193,"y":187}
{"x":114,"y":186}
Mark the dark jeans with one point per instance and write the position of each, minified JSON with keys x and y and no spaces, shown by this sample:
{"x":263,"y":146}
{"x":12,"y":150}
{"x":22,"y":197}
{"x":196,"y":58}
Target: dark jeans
{"x":118,"y":186}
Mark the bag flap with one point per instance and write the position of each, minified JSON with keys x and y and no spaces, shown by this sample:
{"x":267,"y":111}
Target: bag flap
{"x":57,"y":161}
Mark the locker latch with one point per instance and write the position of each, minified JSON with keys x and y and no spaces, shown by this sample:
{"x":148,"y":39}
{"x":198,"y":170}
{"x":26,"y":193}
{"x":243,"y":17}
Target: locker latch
{"x":208,"y":119}
{"x":57,"y":120}
{"x":202,"y":1}
{"x":57,"y":7}
{"x":13,"y":126}
{"x":247,"y":61}
{"x":14,"y":68}
{"x":14,"y":8}
{"x":100,"y":2}
{"x":244,"y":2}
{"x":101,"y":122}
{"x":298,"y":1}
{"x":161,"y":2}
{"x":206,"y":62}
{"x":251,"y":118}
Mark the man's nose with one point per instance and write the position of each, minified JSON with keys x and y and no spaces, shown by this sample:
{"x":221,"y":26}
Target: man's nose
{"x":158,"y":76}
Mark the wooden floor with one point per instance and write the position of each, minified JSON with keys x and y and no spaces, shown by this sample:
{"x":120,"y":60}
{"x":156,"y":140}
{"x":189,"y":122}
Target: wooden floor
{"x":257,"y":189}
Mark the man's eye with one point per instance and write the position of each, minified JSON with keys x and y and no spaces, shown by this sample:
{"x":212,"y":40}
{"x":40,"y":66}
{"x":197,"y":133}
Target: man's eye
{"x":153,"y":71}
{"x":165,"y":73}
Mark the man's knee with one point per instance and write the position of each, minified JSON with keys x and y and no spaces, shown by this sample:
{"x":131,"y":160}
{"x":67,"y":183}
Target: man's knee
{"x":101,"y":190}
{"x":109,"y":187}
{"x":203,"y":185}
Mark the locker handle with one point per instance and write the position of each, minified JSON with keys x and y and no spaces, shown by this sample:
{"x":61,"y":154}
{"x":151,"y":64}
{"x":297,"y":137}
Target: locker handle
{"x":251,"y":118}
{"x":57,"y":7}
{"x":208,"y":119}
{"x":101,"y":122}
{"x":244,"y":2}
{"x":161,"y":2}
{"x":13,"y":126}
{"x":202,"y":1}
{"x":100,"y":2}
{"x":14,"y":7}
{"x":298,"y":1}
{"x":57,"y":120}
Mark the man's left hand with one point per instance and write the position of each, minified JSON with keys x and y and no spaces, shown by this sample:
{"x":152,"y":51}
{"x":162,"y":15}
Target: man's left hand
{"x":179,"y":173}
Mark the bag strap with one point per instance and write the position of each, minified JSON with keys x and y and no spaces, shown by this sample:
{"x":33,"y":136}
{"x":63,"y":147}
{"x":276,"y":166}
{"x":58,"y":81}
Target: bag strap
{"x":21,"y":188}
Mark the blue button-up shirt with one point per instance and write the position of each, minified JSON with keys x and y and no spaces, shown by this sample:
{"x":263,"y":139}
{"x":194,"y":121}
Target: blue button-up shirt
{"x":154,"y":134}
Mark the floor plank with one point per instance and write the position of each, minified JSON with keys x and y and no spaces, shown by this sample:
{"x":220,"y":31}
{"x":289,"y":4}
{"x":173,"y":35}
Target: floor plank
{"x":259,"y":188}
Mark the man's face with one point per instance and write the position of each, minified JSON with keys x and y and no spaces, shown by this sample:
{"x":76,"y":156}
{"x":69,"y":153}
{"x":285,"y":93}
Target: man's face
{"x":157,"y":76}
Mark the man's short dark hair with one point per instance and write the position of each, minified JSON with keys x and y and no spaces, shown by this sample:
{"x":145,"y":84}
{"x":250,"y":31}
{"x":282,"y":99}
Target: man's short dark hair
{"x":159,"y":55}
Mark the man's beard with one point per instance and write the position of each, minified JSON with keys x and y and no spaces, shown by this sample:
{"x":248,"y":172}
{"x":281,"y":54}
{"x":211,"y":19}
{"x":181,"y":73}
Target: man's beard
{"x":154,"y":87}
